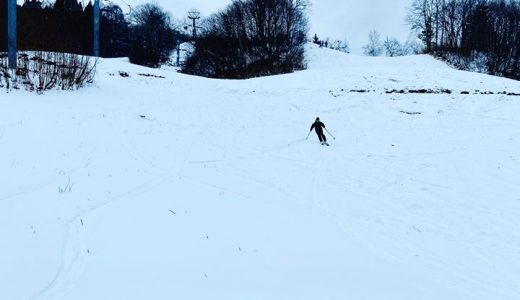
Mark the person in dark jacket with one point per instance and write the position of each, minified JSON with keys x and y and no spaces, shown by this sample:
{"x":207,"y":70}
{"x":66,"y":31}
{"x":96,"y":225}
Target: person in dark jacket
{"x":318,"y":126}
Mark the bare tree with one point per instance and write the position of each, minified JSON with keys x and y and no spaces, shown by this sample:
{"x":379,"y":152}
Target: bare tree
{"x":251,"y":38}
{"x":393,"y":47}
{"x":421,"y":18}
{"x":341,"y":45}
{"x":374,"y":46}
{"x":413,"y":46}
{"x":152,"y":35}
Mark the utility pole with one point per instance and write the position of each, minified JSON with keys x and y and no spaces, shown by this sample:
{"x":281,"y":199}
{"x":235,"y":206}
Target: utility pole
{"x":11,"y":33}
{"x":97,"y":17}
{"x":194,"y":16}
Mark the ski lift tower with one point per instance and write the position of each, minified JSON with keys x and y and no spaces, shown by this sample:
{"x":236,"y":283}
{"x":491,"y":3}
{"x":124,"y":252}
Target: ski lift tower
{"x":194,"y":16}
{"x":11,"y":34}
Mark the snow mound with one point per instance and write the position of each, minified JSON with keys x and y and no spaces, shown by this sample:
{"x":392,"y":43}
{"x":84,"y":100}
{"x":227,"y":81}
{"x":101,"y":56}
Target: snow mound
{"x":356,"y":72}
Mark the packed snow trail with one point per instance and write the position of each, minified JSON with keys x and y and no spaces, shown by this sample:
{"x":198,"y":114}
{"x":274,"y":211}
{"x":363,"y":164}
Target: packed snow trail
{"x":185,"y":187}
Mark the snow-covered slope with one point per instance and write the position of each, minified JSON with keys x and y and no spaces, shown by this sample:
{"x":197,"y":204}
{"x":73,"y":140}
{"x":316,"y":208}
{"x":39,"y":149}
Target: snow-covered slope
{"x":179,"y":187}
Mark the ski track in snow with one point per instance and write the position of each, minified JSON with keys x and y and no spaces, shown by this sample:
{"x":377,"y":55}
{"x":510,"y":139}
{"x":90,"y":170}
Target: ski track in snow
{"x":426,"y":199}
{"x":74,"y":253}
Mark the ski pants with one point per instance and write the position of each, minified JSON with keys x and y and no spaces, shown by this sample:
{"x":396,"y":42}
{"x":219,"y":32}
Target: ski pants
{"x":322,"y":137}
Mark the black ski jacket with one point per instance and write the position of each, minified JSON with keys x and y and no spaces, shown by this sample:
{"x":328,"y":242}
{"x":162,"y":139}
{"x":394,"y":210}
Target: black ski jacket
{"x":318,"y":126}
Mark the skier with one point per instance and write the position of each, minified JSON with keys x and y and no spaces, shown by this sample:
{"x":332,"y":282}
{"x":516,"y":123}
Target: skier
{"x":318,"y":126}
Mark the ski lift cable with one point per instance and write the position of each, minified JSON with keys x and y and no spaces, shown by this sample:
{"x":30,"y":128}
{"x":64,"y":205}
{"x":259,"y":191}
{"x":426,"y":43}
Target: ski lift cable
{"x":126,"y":3}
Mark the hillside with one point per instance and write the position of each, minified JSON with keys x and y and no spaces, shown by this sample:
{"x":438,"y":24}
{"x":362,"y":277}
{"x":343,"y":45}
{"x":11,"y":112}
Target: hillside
{"x":166,"y":186}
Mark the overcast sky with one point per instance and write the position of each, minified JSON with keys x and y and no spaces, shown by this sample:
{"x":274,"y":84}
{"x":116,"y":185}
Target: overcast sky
{"x":338,"y":19}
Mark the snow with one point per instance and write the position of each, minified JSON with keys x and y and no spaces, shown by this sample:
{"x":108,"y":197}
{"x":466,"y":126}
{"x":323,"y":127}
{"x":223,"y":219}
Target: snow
{"x":190,"y":188}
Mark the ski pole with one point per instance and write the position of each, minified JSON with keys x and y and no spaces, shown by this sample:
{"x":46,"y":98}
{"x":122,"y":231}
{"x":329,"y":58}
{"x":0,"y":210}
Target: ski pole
{"x":330,"y":133}
{"x":308,"y":135}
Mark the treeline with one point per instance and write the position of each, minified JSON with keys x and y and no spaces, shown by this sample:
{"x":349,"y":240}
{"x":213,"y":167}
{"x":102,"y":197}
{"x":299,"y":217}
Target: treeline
{"x":54,"y":27}
{"x":146,"y":35}
{"x":482,"y":34}
{"x":251,"y":38}
{"x":338,"y":45}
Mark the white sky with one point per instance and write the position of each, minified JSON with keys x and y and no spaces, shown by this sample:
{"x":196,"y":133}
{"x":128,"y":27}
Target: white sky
{"x":338,"y":19}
